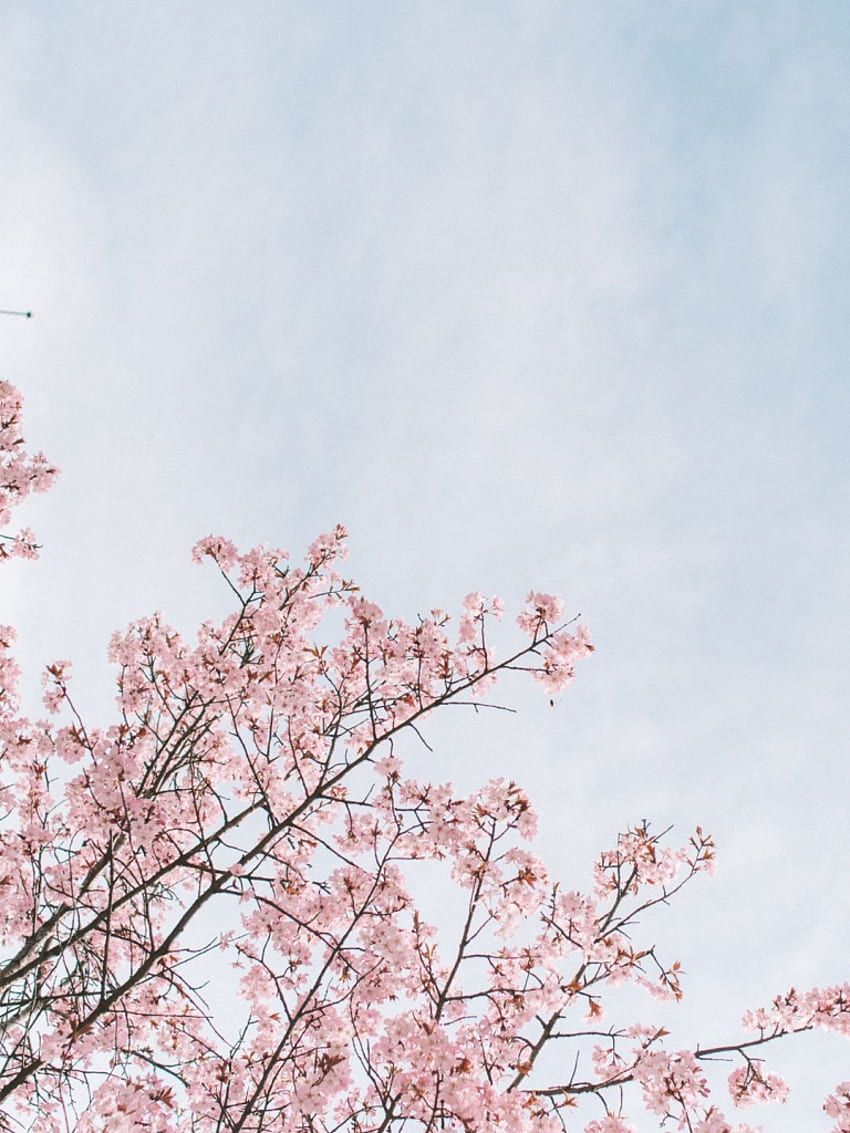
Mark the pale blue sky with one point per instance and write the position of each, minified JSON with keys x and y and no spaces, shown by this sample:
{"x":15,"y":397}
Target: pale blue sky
{"x":549,"y":294}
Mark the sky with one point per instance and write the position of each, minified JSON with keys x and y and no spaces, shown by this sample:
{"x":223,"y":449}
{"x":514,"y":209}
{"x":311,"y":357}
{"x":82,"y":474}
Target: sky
{"x":525,"y":294}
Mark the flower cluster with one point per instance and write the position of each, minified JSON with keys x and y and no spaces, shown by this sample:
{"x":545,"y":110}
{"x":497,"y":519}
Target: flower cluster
{"x":20,"y":474}
{"x":837,"y":1105}
{"x":213,"y":912}
{"x":750,"y":1084}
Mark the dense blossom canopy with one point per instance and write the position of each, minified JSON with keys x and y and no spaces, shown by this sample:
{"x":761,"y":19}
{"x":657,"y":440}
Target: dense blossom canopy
{"x":250,"y":811}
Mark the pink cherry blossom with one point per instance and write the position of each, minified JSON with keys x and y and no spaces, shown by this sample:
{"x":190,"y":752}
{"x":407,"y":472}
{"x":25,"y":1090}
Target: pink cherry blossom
{"x":213,"y":913}
{"x":837,"y":1105}
{"x":20,"y":474}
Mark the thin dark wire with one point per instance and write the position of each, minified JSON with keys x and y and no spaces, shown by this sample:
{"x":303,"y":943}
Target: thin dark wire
{"x":23,"y":314}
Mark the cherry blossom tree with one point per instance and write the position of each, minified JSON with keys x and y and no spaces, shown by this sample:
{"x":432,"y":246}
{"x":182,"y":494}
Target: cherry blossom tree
{"x":251,"y":830}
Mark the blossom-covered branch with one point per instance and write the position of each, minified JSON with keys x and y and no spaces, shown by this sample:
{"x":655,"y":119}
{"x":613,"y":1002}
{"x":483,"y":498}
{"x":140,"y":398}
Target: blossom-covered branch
{"x":212,"y":914}
{"x":20,"y":474}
